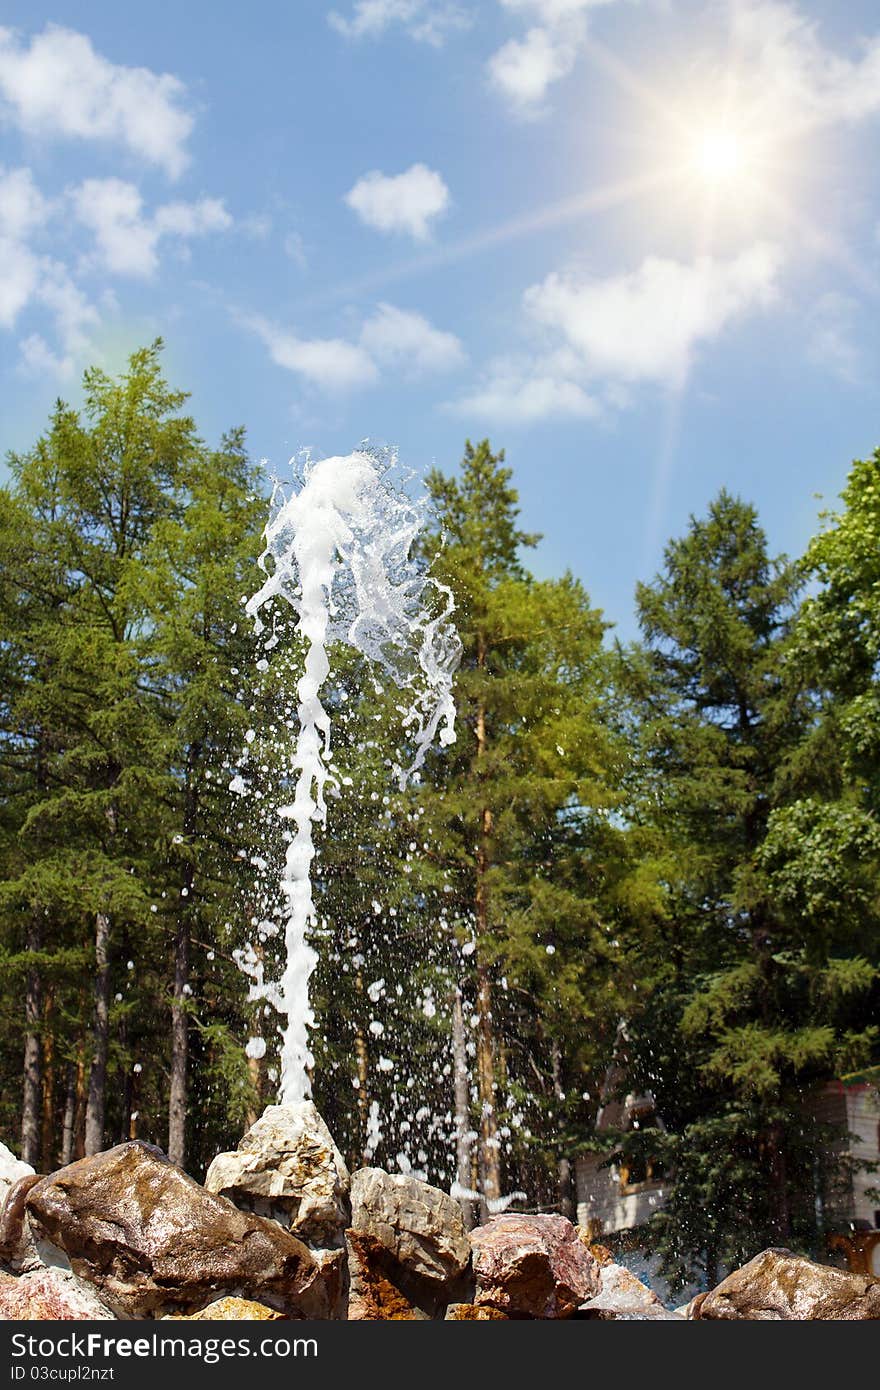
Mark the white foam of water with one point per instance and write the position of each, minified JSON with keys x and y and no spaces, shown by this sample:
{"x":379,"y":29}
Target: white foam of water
{"x":339,"y":552}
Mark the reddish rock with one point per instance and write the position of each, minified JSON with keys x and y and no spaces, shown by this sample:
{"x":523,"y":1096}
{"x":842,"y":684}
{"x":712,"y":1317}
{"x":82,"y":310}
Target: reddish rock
{"x":54,"y":1294}
{"x":780,"y":1286}
{"x":533,"y":1266}
{"x":152,"y":1241}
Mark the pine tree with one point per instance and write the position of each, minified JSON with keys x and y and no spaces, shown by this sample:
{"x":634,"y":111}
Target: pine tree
{"x":517,"y":818}
{"x":745,"y":1013}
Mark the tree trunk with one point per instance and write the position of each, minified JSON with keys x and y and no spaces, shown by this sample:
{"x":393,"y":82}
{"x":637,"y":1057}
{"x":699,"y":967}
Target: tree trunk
{"x":177,"y":1098}
{"x":33,"y":1004}
{"x":490,"y":1158}
{"x":179,"y":1045}
{"x":567,"y":1204}
{"x":95,"y":1107}
{"x":779,"y":1182}
{"x":79,"y":1123}
{"x":47,"y":1138}
{"x":68,"y":1125}
{"x":462,"y":1113}
{"x":363,"y":1072}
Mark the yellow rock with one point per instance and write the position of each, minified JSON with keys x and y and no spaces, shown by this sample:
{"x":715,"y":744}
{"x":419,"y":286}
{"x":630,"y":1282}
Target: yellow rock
{"x":239,"y":1309}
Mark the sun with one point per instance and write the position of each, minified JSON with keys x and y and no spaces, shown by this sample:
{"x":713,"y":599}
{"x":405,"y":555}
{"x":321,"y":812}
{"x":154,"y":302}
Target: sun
{"x":719,"y":156}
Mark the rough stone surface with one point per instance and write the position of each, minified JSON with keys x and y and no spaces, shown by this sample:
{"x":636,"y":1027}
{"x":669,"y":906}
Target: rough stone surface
{"x":18,"y":1249}
{"x":533,"y":1266}
{"x":779,"y":1286}
{"x":420,"y":1226}
{"x":49,"y":1294}
{"x":621,"y":1294}
{"x":374,"y":1294}
{"x":11,"y":1170}
{"x":151,"y":1240}
{"x":474,"y":1312}
{"x":287,"y":1167}
{"x":235,"y":1309}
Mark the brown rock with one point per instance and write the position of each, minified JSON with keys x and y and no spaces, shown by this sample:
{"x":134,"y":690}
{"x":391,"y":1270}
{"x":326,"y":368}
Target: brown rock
{"x":18,"y":1249}
{"x":11,"y":1171}
{"x":780,"y":1286}
{"x":374,"y":1296}
{"x":234,"y":1309}
{"x":474,"y":1312}
{"x":421,"y":1227}
{"x":533,"y":1266}
{"x":151,"y":1240}
{"x":45,"y":1294}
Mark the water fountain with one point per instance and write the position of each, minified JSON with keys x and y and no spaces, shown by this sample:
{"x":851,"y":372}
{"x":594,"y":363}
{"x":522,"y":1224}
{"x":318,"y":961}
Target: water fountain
{"x":339,"y":553}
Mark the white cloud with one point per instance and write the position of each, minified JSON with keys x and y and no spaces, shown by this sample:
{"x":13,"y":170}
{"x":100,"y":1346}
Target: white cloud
{"x":399,"y":338}
{"x":22,"y":206}
{"x":594,"y":339}
{"x":59,"y":86}
{"x":19,"y":278}
{"x":646,"y":325}
{"x":331,"y":363}
{"x":389,"y":338}
{"x":426,"y":21}
{"x":524,"y":68}
{"x":517,"y":394}
{"x":401,"y":202}
{"x":792,"y":76}
{"x":126,"y":238}
{"x":831,"y":337}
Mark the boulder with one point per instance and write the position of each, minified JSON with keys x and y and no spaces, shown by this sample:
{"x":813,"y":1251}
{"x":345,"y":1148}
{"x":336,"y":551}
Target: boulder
{"x":287,"y":1167}
{"x":11,"y":1171}
{"x":231,"y":1309}
{"x":419,"y":1226}
{"x":621,"y":1295}
{"x":18,"y":1249}
{"x":533,"y":1266}
{"x":474,"y":1312}
{"x":374,"y":1284}
{"x":152,"y":1241}
{"x":780,"y":1286}
{"x":49,"y":1294}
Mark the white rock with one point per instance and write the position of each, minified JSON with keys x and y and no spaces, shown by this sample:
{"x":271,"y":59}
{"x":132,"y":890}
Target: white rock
{"x":287,"y":1167}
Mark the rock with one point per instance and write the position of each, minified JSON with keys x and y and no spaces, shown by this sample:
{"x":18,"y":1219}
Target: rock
{"x":233,"y":1309}
{"x":49,"y":1294}
{"x":18,"y":1249}
{"x":287,"y":1167}
{"x":778,"y":1285}
{"x":533,"y":1266}
{"x":11,"y":1171}
{"x":152,"y":1241}
{"x":474,"y":1312}
{"x":621,"y":1295}
{"x":374,"y":1296}
{"x":419,"y":1226}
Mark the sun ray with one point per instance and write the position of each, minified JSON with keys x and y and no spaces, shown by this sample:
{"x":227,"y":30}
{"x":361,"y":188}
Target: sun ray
{"x":555,"y":214}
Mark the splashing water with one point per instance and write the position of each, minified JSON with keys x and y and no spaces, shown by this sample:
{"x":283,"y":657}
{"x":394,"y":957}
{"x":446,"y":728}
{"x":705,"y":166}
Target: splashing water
{"x":339,"y":553}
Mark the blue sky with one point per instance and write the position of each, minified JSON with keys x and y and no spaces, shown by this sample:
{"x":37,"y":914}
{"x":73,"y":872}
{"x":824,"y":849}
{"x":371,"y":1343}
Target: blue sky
{"x":635,"y":242}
